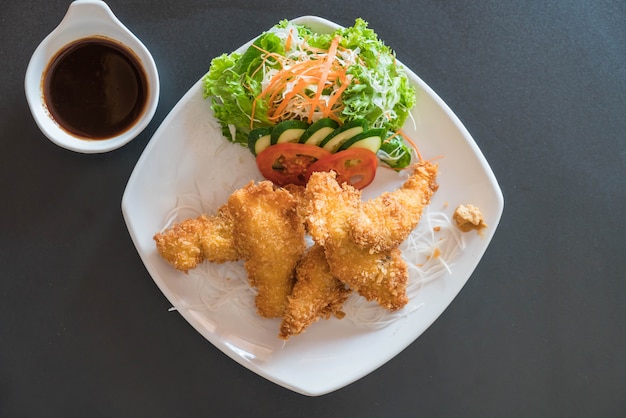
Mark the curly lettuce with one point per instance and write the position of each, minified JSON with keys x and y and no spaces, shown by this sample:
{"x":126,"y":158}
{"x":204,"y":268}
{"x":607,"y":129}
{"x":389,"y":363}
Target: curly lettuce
{"x":379,"y":90}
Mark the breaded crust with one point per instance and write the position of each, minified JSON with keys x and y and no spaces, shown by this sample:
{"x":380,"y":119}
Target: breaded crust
{"x":261,"y":225}
{"x":195,"y":240}
{"x":379,"y":276}
{"x":384,"y":222}
{"x":317,"y":294}
{"x":269,"y":235}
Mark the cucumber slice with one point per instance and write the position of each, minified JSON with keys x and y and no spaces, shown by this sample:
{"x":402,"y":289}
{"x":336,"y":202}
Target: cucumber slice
{"x":259,"y":139}
{"x":340,"y":135}
{"x":288,"y":131}
{"x":318,"y":131}
{"x":372,"y":139}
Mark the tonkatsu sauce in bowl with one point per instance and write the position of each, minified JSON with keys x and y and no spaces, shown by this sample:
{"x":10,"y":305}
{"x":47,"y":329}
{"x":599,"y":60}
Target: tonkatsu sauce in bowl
{"x":95,"y":88}
{"x":91,"y":85}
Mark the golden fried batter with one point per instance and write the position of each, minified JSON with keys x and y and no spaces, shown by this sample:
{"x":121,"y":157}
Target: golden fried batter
{"x":259,"y":224}
{"x":300,"y":198}
{"x":316,"y":294}
{"x":384,"y":222}
{"x":356,"y":244}
{"x":379,"y":276}
{"x":192,"y":241}
{"x":269,"y":235}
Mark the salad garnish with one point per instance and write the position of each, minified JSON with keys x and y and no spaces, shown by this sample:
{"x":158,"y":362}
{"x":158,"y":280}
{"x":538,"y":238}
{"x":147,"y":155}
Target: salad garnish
{"x":308,"y":86}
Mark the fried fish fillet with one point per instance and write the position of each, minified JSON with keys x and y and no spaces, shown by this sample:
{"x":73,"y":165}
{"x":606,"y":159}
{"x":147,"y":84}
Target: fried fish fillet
{"x":195,"y":240}
{"x":316,"y":294}
{"x":259,"y":224}
{"x":384,"y":222}
{"x":379,"y":276}
{"x":269,"y":234}
{"x":356,"y":244}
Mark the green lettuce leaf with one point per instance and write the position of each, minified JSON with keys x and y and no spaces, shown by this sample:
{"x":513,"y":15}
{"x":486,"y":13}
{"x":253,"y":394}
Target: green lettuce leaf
{"x":382,"y":95}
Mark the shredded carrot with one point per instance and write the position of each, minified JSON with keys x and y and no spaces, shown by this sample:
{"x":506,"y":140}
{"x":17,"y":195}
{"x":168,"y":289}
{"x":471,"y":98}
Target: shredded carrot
{"x":286,"y":93}
{"x":302,"y":83}
{"x":408,"y":139}
{"x":419,"y":155}
{"x":289,"y":40}
{"x":345,"y":82}
{"x":266,"y":56}
{"x":392,"y":136}
{"x":328,"y":62}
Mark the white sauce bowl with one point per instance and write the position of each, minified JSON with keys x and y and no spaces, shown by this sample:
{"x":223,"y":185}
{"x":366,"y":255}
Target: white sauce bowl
{"x":87,"y":18}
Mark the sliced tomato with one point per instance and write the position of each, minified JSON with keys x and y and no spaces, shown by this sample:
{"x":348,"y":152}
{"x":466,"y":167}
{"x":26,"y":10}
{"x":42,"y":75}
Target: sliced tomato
{"x":288,"y":163}
{"x":356,"y":166}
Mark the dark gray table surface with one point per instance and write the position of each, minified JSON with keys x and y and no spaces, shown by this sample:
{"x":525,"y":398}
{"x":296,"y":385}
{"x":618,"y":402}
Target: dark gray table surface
{"x":539,"y":329}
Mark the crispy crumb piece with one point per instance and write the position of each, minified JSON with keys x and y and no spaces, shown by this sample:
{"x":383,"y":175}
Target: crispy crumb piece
{"x":468,"y":218}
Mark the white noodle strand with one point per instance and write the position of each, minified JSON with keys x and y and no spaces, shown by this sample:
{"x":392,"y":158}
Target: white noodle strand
{"x":429,"y":251}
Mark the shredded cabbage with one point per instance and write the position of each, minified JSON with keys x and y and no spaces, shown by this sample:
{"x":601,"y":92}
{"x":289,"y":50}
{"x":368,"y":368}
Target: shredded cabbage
{"x":378,"y":89}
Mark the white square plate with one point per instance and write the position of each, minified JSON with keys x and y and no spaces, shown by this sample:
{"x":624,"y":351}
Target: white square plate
{"x":188,"y":168}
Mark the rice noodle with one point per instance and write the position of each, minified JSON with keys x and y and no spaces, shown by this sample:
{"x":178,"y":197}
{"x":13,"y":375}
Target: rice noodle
{"x":429,"y":251}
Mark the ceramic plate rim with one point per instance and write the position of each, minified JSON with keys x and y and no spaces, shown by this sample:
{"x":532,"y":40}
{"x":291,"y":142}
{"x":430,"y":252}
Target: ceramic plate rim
{"x":301,"y":383}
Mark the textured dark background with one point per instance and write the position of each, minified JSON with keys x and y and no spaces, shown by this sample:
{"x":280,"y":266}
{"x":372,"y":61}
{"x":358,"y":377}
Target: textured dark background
{"x":539,"y":330}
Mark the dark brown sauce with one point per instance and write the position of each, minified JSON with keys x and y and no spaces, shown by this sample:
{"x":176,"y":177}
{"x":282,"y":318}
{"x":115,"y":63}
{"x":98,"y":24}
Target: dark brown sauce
{"x":95,"y":88}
